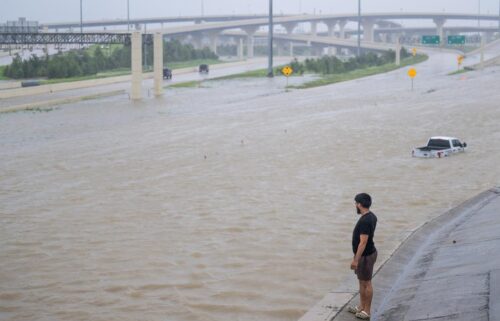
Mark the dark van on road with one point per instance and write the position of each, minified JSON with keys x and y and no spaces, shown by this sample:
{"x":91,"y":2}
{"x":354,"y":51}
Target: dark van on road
{"x":203,"y":69}
{"x":167,"y":73}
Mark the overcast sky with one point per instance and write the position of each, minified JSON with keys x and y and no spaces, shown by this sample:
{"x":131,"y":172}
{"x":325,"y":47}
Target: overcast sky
{"x":69,"y":10}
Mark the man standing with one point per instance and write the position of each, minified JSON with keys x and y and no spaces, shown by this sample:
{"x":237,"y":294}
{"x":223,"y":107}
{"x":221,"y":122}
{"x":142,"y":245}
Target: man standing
{"x":365,"y":254}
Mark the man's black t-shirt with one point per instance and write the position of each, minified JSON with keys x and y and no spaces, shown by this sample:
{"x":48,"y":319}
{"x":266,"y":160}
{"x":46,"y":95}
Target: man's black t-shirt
{"x":366,"y":225}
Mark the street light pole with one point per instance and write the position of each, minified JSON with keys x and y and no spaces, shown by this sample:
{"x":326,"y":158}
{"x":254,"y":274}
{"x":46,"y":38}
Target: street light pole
{"x":270,"y":72}
{"x":81,"y":17}
{"x":478,"y":13}
{"x":128,"y":15}
{"x":359,"y":28}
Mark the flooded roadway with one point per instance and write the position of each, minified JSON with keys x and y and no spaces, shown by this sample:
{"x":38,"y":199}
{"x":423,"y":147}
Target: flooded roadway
{"x":227,"y":203}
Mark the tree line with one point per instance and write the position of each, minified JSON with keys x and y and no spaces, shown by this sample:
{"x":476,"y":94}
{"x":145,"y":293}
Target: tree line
{"x":90,"y":61}
{"x":334,"y":65}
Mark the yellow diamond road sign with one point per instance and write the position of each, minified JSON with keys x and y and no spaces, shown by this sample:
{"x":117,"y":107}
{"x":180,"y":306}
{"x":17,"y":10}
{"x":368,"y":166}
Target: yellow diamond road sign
{"x":414,"y":51}
{"x":412,"y":72}
{"x":460,"y":59}
{"x":287,"y":71}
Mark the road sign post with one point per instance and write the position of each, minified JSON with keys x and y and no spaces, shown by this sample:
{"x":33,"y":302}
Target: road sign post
{"x":287,"y":71}
{"x":412,"y":73}
{"x":460,"y":60}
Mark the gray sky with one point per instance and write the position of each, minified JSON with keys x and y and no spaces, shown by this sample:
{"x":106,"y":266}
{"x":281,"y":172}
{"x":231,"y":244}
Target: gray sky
{"x":68,"y":10}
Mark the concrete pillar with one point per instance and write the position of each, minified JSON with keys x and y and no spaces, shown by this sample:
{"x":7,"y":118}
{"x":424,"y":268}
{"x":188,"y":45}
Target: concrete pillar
{"x":398,"y":53}
{"x":250,"y":40}
{"x":158,"y":64}
{"x":240,"y":49}
{"x":213,"y":41}
{"x":332,"y":51}
{"x":136,"y":91}
{"x":488,"y":36}
{"x":197,"y":41}
{"x":291,"y":49}
{"x":439,"y":29}
{"x":368,"y":29}
{"x":331,"y":27}
{"x":314,"y":28}
{"x":342,"y":24}
{"x":137,"y":26}
{"x":289,"y":27}
{"x":483,"y":41}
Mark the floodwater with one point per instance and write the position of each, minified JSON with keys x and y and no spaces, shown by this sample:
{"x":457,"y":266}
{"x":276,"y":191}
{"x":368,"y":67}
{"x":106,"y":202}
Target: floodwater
{"x":233,"y":202}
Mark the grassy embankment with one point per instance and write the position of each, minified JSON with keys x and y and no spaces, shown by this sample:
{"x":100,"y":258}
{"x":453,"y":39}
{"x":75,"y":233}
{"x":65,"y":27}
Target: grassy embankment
{"x":323,"y":81}
{"x":360,"y":73}
{"x":126,"y":71}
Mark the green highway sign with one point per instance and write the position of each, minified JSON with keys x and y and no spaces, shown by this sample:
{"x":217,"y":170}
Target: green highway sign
{"x":456,"y":40}
{"x":431,"y":40}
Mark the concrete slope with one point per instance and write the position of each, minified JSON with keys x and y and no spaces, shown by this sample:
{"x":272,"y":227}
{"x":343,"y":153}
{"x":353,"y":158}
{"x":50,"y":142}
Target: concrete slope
{"x":449,"y":269}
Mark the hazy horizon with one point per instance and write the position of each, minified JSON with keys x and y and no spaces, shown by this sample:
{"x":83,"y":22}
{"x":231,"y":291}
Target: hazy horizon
{"x":117,"y":9}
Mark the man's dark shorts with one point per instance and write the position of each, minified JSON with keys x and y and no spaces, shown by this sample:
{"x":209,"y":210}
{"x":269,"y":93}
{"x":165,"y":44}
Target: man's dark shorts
{"x":365,"y":267}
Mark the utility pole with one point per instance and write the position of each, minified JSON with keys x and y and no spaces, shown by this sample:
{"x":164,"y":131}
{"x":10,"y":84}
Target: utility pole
{"x":478,"y":13}
{"x":202,"y":8}
{"x":359,"y":28}
{"x":81,"y":17}
{"x":128,"y":15}
{"x":270,"y":72}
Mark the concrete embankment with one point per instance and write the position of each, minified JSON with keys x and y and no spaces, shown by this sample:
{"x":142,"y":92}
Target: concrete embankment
{"x":448,"y":269}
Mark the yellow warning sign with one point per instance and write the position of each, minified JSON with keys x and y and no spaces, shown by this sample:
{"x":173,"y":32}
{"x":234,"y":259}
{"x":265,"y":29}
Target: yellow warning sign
{"x":460,"y":59}
{"x":287,"y":71}
{"x":414,"y":52}
{"x":412,"y":73}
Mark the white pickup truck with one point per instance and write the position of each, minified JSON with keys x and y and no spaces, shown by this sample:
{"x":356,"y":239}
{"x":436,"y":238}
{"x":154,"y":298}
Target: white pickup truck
{"x":439,"y":146}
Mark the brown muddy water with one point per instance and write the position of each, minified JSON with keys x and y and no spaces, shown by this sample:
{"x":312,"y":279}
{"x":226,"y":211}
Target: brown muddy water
{"x":232,"y":202}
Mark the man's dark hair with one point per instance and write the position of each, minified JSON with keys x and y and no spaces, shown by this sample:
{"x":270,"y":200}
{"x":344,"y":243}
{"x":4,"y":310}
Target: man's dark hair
{"x":364,"y":199}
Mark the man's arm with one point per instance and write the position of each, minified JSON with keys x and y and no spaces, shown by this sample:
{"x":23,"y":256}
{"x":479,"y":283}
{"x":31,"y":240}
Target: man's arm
{"x":363,"y":240}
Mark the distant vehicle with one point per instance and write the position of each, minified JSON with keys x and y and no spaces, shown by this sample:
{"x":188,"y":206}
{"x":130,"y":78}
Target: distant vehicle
{"x":439,"y":146}
{"x":30,"y":83}
{"x":167,"y":73}
{"x":203,"y":69}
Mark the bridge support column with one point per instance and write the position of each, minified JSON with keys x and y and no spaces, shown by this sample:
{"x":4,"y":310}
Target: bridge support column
{"x":440,"y":30}
{"x":314,"y":28}
{"x":483,"y":41}
{"x":342,"y":24}
{"x":213,"y":41}
{"x":332,"y":51}
{"x":240,"y":49}
{"x":398,"y":53}
{"x":136,"y":90}
{"x":197,"y":40}
{"x":488,"y":36}
{"x":250,"y":40}
{"x":368,"y":30}
{"x":158,"y":64}
{"x":291,"y":49}
{"x":289,"y":27}
{"x":331,"y":27}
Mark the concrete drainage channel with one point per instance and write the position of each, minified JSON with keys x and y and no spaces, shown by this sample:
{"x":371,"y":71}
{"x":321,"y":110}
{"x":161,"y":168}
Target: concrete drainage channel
{"x":448,"y":269}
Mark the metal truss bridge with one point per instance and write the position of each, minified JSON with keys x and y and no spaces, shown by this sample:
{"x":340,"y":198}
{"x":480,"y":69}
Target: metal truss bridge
{"x":70,"y":38}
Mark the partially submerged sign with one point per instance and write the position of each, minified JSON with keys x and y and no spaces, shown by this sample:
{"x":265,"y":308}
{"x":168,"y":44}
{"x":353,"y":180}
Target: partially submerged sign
{"x":412,"y":72}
